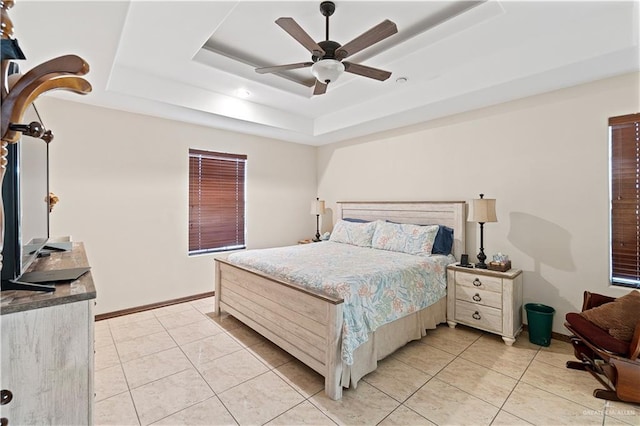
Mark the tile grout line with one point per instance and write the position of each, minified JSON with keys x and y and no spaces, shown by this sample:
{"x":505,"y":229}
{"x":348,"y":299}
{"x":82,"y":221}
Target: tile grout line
{"x":135,"y":408}
{"x":215,"y":394}
{"x":173,"y":374}
{"x":514,"y":388}
{"x":271,"y":367}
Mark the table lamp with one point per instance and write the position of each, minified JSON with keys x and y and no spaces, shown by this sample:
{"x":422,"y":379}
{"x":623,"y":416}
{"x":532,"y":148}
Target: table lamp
{"x":483,"y":211}
{"x":317,"y":208}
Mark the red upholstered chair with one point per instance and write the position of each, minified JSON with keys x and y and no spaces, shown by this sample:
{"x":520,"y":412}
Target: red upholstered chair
{"x":612,"y":361}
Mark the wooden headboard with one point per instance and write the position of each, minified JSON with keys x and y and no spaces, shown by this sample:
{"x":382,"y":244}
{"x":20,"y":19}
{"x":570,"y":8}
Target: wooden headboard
{"x":449,"y":213}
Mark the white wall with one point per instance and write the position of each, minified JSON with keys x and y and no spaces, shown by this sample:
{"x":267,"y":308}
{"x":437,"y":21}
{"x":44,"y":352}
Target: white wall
{"x":122,"y":180}
{"x":545,"y":160}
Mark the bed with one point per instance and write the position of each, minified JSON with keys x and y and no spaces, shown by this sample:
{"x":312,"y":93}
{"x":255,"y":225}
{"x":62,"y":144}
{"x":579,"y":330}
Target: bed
{"x":314,"y":323}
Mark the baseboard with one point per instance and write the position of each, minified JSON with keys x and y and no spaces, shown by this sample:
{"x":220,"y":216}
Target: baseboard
{"x":554,"y":335}
{"x":143,"y":308}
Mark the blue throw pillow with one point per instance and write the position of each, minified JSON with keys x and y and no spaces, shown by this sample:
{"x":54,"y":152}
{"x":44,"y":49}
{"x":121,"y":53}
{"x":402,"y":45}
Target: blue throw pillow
{"x":354,"y":220}
{"x":444,"y":241}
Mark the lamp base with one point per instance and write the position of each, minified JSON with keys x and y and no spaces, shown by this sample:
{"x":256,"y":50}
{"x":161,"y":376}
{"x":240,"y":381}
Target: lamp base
{"x":317,"y":237}
{"x":481,"y":258}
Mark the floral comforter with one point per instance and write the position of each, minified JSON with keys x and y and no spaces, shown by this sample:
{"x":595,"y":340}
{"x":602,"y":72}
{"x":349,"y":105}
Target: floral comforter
{"x":378,"y":286}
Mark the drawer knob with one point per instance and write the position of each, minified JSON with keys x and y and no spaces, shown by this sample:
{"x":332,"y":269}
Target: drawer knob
{"x":5,"y":396}
{"x":477,"y":297}
{"x":477,"y":282}
{"x":476,"y":315}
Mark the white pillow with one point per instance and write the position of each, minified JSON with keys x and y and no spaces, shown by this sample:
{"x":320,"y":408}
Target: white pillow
{"x":404,"y":238}
{"x":357,"y":234}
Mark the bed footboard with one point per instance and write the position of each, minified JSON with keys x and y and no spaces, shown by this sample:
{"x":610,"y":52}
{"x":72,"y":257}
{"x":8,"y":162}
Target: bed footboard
{"x":302,"y":322}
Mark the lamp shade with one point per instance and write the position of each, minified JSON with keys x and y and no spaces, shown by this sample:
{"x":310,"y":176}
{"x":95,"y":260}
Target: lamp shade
{"x":317,"y":207}
{"x":327,"y":70}
{"x":483,"y":210}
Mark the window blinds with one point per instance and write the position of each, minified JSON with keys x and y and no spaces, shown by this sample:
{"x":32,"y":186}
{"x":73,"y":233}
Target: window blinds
{"x":216,"y":201}
{"x":625,"y":200}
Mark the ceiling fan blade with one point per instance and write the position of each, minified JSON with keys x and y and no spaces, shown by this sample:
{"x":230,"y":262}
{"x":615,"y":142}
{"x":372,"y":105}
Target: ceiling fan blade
{"x":309,"y":82}
{"x":378,"y":33}
{"x":301,"y":36}
{"x":278,"y":68}
{"x":366,"y":71}
{"x":320,"y":88}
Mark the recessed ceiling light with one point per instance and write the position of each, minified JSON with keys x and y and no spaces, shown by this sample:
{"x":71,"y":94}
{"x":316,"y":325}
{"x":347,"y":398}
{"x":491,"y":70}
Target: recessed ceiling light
{"x":243,"y":93}
{"x":401,"y":80}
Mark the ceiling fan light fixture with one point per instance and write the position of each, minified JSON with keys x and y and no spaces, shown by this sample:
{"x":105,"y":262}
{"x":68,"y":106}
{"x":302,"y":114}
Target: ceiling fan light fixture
{"x":327,"y":70}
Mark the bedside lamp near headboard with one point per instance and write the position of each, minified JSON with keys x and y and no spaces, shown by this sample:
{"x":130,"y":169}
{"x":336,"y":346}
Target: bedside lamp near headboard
{"x":483,"y":211}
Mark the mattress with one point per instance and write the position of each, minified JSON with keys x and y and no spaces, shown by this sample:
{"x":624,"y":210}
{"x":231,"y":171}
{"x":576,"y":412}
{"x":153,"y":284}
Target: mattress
{"x":378,"y":286}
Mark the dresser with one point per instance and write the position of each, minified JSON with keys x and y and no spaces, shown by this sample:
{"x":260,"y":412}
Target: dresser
{"x":47,"y":349}
{"x":486,"y":300}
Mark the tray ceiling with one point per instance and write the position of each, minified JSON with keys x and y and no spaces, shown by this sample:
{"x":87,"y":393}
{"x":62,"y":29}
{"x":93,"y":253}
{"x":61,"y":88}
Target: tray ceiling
{"x":194,"y":61}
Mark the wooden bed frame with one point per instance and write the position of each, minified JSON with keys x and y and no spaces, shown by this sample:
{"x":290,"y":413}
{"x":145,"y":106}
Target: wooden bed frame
{"x":305,"y":323}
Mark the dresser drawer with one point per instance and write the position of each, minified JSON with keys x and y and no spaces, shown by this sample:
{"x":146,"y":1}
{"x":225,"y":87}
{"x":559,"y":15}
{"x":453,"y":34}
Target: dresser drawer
{"x":478,"y":296}
{"x":482,"y":282}
{"x":479,"y":316}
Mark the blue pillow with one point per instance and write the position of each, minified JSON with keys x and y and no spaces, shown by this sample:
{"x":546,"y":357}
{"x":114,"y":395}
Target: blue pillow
{"x":354,"y":220}
{"x":444,"y":241}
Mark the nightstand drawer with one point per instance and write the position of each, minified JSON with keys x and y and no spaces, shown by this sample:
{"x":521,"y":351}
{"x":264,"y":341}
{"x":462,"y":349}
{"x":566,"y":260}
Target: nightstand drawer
{"x":479,"y":316}
{"x":478,"y":281}
{"x":478,"y":296}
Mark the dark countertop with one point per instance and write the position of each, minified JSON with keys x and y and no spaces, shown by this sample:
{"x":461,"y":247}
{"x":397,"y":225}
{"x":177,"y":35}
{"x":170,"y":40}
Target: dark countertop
{"x":12,"y":301}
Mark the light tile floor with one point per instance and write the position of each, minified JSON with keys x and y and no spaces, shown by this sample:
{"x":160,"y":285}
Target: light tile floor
{"x":179,"y":366}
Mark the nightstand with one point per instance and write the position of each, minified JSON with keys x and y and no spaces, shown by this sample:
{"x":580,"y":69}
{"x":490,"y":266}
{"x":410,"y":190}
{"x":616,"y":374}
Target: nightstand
{"x":486,"y":300}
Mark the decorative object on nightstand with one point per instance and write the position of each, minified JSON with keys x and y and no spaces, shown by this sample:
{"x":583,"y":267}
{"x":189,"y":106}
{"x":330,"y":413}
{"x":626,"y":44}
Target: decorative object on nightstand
{"x":486,"y":300}
{"x":317,"y":208}
{"x":499,"y":263}
{"x":484,"y":210}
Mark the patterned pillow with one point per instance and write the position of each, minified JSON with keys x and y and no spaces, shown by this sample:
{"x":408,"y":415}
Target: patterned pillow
{"x":443,"y":244}
{"x":404,"y":238}
{"x":357,"y":234}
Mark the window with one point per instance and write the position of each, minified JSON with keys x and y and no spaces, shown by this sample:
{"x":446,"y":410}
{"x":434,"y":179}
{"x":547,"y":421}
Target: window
{"x":216,"y":201}
{"x":625,"y":200}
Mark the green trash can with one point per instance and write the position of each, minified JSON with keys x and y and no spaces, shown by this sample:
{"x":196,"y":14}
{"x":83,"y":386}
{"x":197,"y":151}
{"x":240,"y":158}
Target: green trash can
{"x":540,"y":321}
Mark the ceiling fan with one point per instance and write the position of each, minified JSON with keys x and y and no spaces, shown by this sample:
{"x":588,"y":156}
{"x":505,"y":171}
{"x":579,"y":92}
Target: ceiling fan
{"x":327,"y":56}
